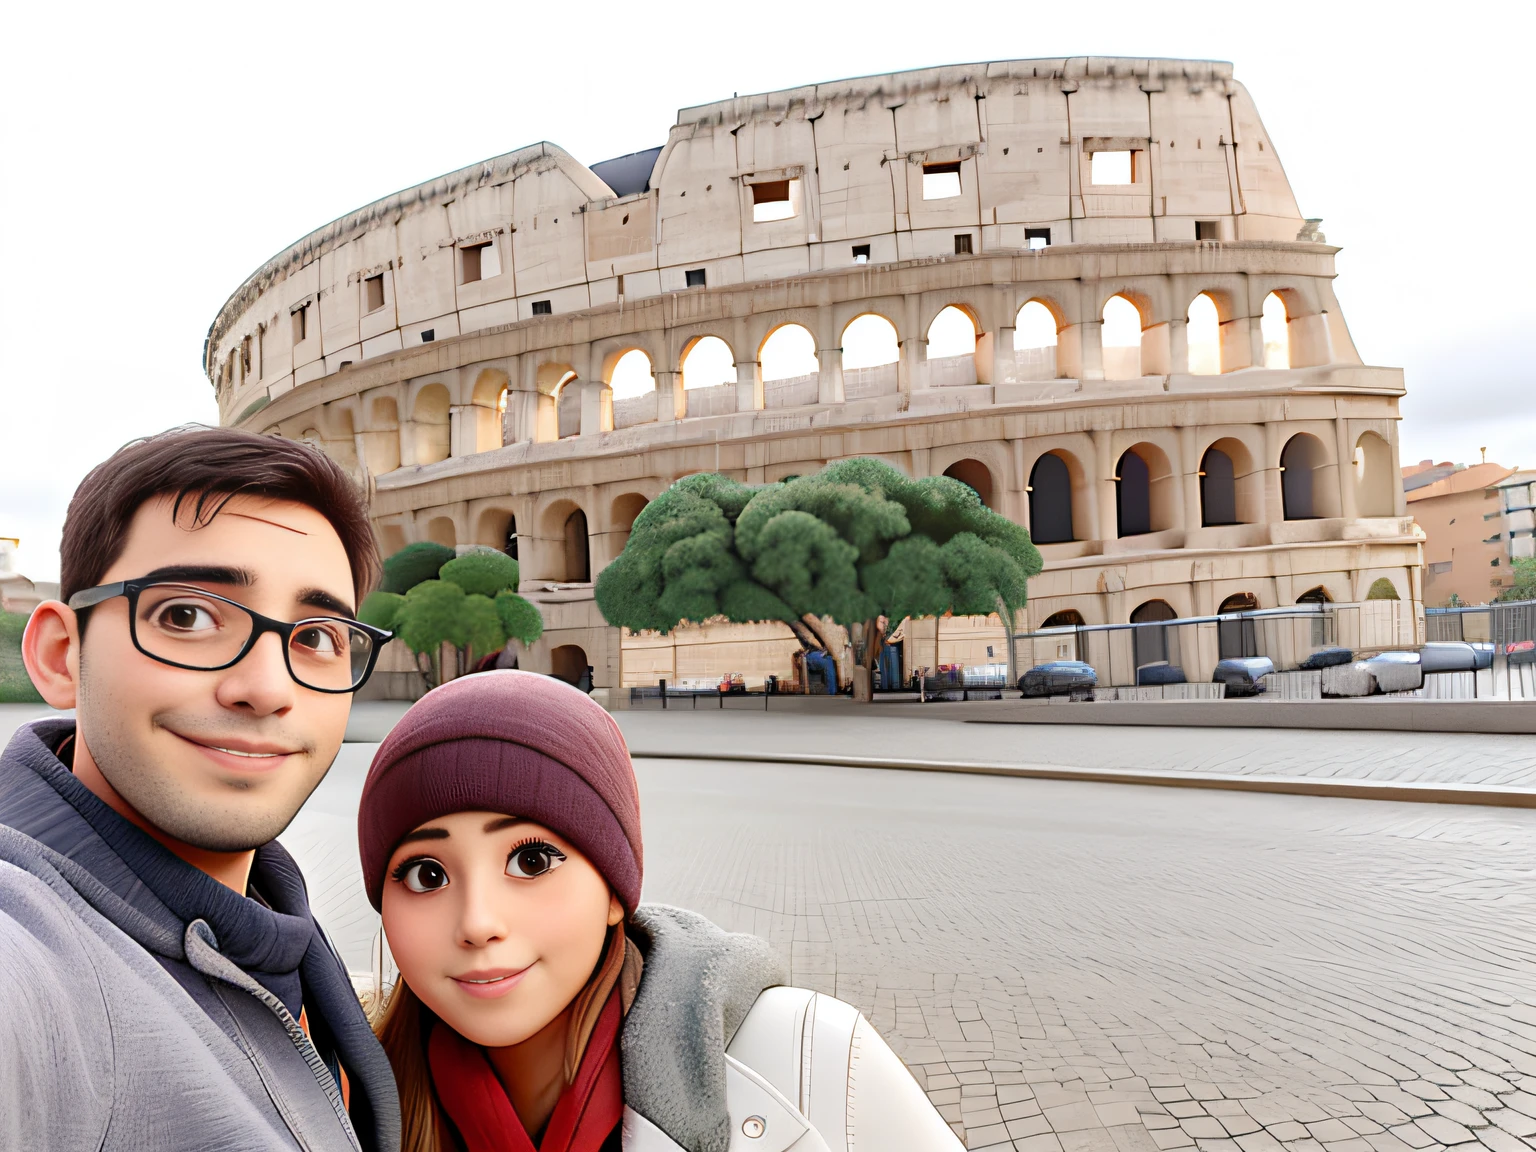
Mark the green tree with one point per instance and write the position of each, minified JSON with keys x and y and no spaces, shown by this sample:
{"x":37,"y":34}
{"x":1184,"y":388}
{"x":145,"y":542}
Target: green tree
{"x":857,"y":544}
{"x":15,"y":685}
{"x":1524,"y":584}
{"x":468,"y":602}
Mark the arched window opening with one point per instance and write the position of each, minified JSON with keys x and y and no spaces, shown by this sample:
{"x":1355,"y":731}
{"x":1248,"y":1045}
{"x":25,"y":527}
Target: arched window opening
{"x":1121,"y":339}
{"x":1373,"y":470}
{"x":1382,"y":588}
{"x":952,"y":333}
{"x":1050,"y":501}
{"x":1133,"y":496}
{"x":975,"y":476}
{"x":1318,"y":595}
{"x":1066,"y":618}
{"x":625,"y":509}
{"x":1218,"y":489}
{"x":788,"y":353}
{"x":708,"y":363}
{"x":1300,"y":461}
{"x":1204,"y":335}
{"x":1034,"y":342}
{"x":870,"y":341}
{"x":497,"y":528}
{"x":632,"y":375}
{"x":431,"y":432}
{"x":568,"y":662}
{"x":578,"y":556}
{"x":568,"y":406}
{"x":1151,"y":644}
{"x":1276,"y":328}
{"x":1237,"y":638}
{"x":391,"y":539}
{"x":440,"y":530}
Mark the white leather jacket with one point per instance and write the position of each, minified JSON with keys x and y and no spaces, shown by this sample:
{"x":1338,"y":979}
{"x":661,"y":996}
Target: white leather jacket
{"x":807,"y":1073}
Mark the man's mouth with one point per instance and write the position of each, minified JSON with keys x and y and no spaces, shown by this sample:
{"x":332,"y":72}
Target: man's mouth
{"x":255,"y":753}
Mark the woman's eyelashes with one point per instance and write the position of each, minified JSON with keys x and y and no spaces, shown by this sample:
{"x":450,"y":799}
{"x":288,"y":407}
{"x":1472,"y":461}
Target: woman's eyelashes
{"x":421,"y":874}
{"x":533,"y":858}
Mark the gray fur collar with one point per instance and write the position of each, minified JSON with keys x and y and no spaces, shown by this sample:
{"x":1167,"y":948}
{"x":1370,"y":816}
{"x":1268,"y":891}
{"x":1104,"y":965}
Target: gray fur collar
{"x":698,"y":985}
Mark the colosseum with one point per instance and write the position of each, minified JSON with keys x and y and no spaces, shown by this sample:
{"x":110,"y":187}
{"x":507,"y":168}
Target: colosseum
{"x":1081,"y":286}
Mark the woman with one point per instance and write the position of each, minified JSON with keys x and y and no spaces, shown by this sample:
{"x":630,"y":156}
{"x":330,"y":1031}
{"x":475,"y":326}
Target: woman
{"x":540,"y":1005}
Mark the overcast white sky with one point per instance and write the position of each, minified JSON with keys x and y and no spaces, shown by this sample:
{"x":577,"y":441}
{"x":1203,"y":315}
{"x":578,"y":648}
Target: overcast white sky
{"x":152,"y":156}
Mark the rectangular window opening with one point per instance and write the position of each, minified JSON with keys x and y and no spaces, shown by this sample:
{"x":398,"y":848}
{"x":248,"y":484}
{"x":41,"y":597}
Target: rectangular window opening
{"x":941,"y":181}
{"x":1207,"y":229}
{"x":1112,"y":168}
{"x":542,"y":308}
{"x":428,"y":335}
{"x":373,"y":293}
{"x":962,"y":244}
{"x":471,"y":263}
{"x":773,"y":200}
{"x":861,"y":253}
{"x":694,"y":278}
{"x":1037,"y":238}
{"x":301,"y":324}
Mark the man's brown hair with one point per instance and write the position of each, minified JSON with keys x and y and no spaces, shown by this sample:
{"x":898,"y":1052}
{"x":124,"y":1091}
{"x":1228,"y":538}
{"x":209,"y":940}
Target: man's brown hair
{"x":205,"y":467}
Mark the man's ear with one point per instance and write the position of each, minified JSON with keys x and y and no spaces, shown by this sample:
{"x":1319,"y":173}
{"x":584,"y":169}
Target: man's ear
{"x":50,"y":648}
{"x":615,"y":909}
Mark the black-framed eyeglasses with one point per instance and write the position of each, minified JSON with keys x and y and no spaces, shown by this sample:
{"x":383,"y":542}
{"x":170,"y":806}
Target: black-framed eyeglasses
{"x":189,"y":627}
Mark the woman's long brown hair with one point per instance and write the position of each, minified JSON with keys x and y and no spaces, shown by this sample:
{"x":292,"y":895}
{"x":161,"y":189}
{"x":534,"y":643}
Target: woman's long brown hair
{"x":403,"y":1033}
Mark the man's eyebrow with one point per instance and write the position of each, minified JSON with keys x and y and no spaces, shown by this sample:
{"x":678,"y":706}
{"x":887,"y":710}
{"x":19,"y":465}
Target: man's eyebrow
{"x":202,"y":574}
{"x":319,"y":598}
{"x":425,"y":834}
{"x":501,"y":822}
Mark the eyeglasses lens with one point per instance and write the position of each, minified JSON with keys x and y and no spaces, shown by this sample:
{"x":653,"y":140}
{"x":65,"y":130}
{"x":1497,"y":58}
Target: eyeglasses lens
{"x":178,"y":624}
{"x":328,"y":653}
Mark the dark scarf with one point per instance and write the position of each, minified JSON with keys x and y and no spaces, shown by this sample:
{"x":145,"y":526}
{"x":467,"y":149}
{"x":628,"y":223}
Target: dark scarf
{"x":585,"y":1116}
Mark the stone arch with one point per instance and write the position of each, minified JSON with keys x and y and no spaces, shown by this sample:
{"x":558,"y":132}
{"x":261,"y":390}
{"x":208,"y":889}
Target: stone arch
{"x":1151,"y":644}
{"x":974,"y":475}
{"x":1123,"y":322}
{"x":1203,"y":335}
{"x":391,"y":538}
{"x":1050,"y":500}
{"x":1231,"y":484}
{"x":1036,"y":332}
{"x":952,"y":332}
{"x":1145,"y":500}
{"x":565,"y":548}
{"x":1237,"y":638}
{"x":1275,"y":327}
{"x":1066,"y":618}
{"x":629,"y":373}
{"x":1315,"y":595}
{"x":568,"y":662}
{"x":1375,"y":494}
{"x":381,"y":435}
{"x":1306,"y":473}
{"x":707,"y":362}
{"x":441,"y":530}
{"x":869,"y":340}
{"x":497,"y":528}
{"x":621,"y":516}
{"x":788,"y":352}
{"x":430,"y":424}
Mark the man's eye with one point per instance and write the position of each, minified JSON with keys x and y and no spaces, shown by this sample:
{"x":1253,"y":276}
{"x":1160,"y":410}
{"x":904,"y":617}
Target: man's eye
{"x":535,"y":859}
{"x":423,"y":876}
{"x":186,"y":618}
{"x":317,"y":639}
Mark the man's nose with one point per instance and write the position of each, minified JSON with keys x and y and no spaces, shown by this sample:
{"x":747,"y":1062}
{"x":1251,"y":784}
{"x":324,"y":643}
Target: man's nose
{"x":260,"y":683}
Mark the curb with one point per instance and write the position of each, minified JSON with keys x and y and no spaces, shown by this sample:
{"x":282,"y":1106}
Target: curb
{"x":1415,"y":793}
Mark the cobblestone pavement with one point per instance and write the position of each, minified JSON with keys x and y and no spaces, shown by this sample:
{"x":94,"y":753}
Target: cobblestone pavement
{"x":1085,"y":968}
{"x":1418,"y":757}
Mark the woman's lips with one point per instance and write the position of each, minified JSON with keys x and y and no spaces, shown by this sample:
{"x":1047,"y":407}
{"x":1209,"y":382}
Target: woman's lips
{"x":489,"y":983}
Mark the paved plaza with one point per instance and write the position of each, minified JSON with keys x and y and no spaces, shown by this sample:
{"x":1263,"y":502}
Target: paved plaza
{"x":1078,"y":967}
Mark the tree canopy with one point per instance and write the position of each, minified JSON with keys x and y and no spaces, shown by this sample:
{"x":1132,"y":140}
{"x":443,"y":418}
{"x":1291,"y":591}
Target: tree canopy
{"x":469,"y":602}
{"x":854,"y":542}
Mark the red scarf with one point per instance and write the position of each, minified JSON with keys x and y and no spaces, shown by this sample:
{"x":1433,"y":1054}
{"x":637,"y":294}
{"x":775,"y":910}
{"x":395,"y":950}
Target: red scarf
{"x":588,"y":1111}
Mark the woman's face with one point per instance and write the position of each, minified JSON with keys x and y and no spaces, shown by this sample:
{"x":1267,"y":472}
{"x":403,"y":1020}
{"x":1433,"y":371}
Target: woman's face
{"x":496,"y":923}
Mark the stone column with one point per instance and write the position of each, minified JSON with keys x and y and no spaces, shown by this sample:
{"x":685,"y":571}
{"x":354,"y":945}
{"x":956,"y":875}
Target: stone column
{"x":1190,"y":467}
{"x":1274,"y":500}
{"x":461,"y":428}
{"x":591,"y":406}
{"x":1349,"y":507}
{"x":830,"y":389}
{"x":1104,"y":467}
{"x":671,"y":403}
{"x":1090,"y":344}
{"x":912,"y":368}
{"x":1005,"y":369}
{"x":1178,"y":347}
{"x":1236,"y":345}
{"x":749,"y":386}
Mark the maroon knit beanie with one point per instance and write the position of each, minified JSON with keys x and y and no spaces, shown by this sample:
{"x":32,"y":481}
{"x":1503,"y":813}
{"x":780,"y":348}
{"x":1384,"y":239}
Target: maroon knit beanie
{"x":513,"y":742}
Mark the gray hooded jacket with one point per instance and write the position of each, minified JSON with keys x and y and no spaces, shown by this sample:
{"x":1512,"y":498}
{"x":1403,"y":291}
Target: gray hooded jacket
{"x":123,"y":1026}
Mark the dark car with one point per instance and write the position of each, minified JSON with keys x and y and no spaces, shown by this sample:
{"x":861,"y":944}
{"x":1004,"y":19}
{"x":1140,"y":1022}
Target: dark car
{"x":1243,"y":676}
{"x":1058,"y":678}
{"x":1326,"y":658}
{"x":1160,"y":673}
{"x":1455,"y":656}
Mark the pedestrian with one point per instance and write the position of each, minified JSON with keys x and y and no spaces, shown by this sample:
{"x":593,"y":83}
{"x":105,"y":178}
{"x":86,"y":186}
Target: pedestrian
{"x":166,"y":985}
{"x":540,"y":1005}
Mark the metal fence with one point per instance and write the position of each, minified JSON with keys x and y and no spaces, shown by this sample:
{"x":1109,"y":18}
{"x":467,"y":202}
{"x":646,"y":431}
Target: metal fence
{"x":1510,"y":626}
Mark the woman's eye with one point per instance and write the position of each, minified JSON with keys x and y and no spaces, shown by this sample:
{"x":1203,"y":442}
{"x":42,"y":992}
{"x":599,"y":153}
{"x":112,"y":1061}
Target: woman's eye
{"x":530,"y":860}
{"x":186,"y":618}
{"x":424,"y":876}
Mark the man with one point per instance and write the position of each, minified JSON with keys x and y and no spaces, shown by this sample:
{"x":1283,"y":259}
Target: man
{"x":166,"y":986}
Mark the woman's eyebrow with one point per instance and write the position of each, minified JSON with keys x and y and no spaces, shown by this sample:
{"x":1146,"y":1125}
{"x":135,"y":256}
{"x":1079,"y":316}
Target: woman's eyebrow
{"x":501,"y":822}
{"x":425,"y":834}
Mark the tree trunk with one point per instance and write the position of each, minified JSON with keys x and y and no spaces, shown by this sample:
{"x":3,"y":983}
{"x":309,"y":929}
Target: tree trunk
{"x":807,"y":638}
{"x":864,"y":674}
{"x":834,"y":638}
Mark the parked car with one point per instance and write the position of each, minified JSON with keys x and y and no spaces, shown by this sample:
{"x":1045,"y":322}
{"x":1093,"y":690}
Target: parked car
{"x":1243,"y":676}
{"x":1058,"y":678}
{"x":1160,"y":673}
{"x":1396,"y":671}
{"x":1455,"y":656}
{"x":1326,"y":658}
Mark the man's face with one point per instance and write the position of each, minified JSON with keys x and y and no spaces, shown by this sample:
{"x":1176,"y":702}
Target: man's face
{"x":218,"y":760}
